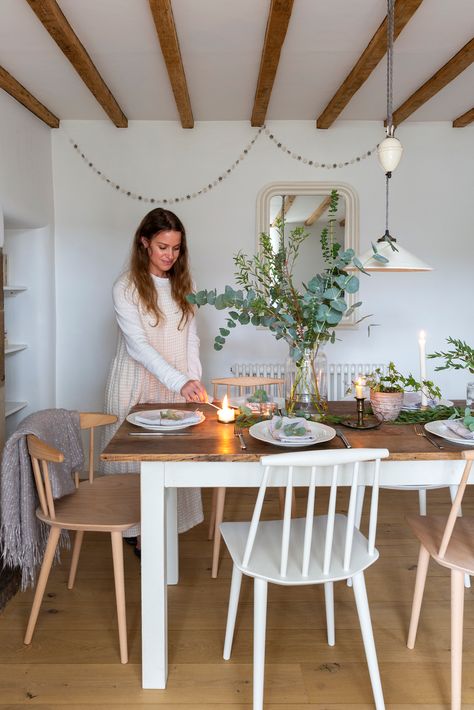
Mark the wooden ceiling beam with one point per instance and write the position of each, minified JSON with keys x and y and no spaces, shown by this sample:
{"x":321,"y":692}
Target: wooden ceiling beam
{"x":438,"y":81}
{"x":166,"y":29}
{"x":369,"y":59}
{"x":51,"y":16}
{"x":13,"y":87}
{"x":464,"y":120}
{"x":320,"y":210}
{"x":275,"y":33}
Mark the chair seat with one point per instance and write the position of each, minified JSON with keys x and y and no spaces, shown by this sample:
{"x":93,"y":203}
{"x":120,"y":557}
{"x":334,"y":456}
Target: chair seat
{"x":266,"y":553}
{"x":109,"y":503}
{"x":430,"y":529}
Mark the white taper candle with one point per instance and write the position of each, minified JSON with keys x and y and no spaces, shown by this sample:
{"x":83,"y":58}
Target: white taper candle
{"x":422,"y":350}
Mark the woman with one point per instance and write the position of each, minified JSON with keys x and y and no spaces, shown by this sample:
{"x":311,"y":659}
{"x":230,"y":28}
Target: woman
{"x":157,"y":358}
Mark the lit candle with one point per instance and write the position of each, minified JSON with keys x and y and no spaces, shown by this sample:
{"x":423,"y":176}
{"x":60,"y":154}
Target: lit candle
{"x":359,"y":388}
{"x":226,"y":414}
{"x":422,"y":350}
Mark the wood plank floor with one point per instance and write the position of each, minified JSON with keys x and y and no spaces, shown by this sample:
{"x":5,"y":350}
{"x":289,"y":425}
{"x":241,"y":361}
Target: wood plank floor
{"x":74,"y":660}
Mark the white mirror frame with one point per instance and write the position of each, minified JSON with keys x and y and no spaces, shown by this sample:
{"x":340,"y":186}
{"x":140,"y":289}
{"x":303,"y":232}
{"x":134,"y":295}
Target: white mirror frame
{"x":351,"y":234}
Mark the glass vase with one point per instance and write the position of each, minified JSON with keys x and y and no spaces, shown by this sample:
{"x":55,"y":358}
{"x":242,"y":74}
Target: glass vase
{"x":470,"y":394}
{"x":306,"y":380}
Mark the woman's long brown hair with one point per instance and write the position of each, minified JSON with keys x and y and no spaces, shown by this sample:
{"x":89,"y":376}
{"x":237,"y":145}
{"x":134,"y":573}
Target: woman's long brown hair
{"x":160,"y":220}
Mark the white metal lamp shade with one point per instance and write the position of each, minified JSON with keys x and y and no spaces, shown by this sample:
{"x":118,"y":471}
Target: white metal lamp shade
{"x":399,"y":260}
{"x":389,"y":153}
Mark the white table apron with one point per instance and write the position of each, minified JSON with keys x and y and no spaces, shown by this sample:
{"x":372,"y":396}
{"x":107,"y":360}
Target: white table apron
{"x":159,"y":560}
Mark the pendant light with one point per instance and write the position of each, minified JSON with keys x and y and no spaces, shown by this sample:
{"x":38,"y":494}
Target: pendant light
{"x":388,"y":255}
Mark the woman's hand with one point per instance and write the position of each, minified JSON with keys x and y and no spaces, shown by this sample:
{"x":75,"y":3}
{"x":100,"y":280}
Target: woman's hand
{"x":193,"y":391}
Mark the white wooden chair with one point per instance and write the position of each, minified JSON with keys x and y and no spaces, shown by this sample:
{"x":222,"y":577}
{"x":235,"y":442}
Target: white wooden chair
{"x":108,"y":504}
{"x":241,"y":385}
{"x":450,"y":542}
{"x":320,"y":549}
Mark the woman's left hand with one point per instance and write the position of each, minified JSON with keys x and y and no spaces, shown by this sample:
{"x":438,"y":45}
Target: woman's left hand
{"x":194,"y":391}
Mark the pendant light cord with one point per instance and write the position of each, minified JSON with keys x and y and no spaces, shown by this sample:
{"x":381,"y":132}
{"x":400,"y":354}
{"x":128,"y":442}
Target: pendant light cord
{"x":390,"y":25}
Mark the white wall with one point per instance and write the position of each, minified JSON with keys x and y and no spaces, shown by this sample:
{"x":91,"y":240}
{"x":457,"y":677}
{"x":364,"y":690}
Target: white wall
{"x":431,"y":195}
{"x":26,"y":199}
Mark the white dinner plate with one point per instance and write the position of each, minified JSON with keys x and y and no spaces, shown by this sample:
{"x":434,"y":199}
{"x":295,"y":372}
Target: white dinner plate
{"x":132,"y":418}
{"x":321,"y":432}
{"x":440,"y":429}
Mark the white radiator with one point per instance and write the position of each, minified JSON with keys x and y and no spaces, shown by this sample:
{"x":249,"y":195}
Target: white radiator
{"x":340,"y":374}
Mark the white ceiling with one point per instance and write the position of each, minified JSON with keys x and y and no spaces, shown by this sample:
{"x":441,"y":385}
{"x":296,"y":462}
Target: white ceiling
{"x":221,"y":43}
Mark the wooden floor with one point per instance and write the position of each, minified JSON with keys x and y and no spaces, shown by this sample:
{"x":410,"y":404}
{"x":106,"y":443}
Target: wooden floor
{"x":73,"y":661}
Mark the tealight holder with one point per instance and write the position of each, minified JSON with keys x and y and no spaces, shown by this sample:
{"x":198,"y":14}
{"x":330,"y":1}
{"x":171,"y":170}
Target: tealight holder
{"x":361,"y":422}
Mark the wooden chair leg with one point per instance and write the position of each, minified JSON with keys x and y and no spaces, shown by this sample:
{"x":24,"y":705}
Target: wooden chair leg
{"x":457,"y":613}
{"x":212,"y":519}
{"x":329,"y":601}
{"x":421,"y":572}
{"x":117,"y":554}
{"x":232,"y":611}
{"x":76,"y":551}
{"x":360,"y":593}
{"x":259,"y":632}
{"x":453,"y":492}
{"x":217,"y":531}
{"x":42,"y":580}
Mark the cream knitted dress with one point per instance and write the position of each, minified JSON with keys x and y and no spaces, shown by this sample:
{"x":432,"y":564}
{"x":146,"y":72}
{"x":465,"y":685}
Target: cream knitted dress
{"x":130,"y":382}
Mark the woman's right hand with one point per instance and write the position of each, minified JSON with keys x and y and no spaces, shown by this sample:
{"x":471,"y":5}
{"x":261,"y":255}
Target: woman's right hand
{"x":194,"y":391}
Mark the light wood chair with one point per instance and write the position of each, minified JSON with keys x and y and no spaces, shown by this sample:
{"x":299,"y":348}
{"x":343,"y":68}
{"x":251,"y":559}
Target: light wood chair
{"x":108,"y":504}
{"x":450,"y":542}
{"x":240,"y":385}
{"x":317,"y":549}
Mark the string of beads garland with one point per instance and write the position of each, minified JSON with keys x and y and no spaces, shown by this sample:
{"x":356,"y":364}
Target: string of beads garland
{"x":313,"y":163}
{"x":211,"y":185}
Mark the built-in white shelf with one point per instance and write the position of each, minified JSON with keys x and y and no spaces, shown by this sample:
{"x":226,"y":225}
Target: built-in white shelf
{"x":11,"y":348}
{"x":14,"y":407}
{"x":10,"y":290}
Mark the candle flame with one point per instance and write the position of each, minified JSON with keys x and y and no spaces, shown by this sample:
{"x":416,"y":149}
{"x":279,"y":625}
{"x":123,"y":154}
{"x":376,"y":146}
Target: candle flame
{"x":422,"y":335}
{"x":225,"y":403}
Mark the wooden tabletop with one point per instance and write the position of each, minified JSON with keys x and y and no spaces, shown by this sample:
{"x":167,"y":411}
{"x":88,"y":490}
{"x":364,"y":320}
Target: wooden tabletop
{"x":213,"y":441}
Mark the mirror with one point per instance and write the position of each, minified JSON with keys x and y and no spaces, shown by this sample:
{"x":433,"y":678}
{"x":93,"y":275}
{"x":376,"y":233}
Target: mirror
{"x":306,"y":204}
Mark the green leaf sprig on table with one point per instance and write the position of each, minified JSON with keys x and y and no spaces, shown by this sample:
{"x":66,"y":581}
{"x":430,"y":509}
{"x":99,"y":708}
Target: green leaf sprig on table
{"x":468,"y":419}
{"x":420,"y":416}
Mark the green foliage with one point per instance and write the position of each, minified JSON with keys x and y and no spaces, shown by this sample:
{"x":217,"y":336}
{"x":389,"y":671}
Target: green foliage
{"x":459,"y":357}
{"x":467,"y":419}
{"x":259,"y":396}
{"x":268,"y":296}
{"x":394,"y":381}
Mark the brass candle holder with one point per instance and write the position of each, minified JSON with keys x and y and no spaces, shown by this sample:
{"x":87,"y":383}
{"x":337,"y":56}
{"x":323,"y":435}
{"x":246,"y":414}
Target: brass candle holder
{"x":361,"y":422}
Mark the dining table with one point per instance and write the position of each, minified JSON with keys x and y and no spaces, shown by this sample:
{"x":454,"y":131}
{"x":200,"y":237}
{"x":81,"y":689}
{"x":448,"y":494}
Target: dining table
{"x":210,"y":455}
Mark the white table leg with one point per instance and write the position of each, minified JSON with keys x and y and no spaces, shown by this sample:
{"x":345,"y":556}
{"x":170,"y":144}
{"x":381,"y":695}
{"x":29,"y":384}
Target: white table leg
{"x":172,"y":549}
{"x":154,"y":587}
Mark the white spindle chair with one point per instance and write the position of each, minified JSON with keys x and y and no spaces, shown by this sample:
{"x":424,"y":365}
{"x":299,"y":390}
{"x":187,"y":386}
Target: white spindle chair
{"x":319,"y":549}
{"x":450,"y":542}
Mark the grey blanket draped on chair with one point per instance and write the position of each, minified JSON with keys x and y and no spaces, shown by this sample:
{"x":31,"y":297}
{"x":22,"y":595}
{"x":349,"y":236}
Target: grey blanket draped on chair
{"x":22,"y":536}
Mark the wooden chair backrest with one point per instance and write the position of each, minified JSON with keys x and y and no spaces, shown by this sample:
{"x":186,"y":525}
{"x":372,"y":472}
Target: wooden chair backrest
{"x":246,"y":383}
{"x":325,"y":468}
{"x":90,"y":420}
{"x":42,"y":453}
{"x":450,"y":523}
